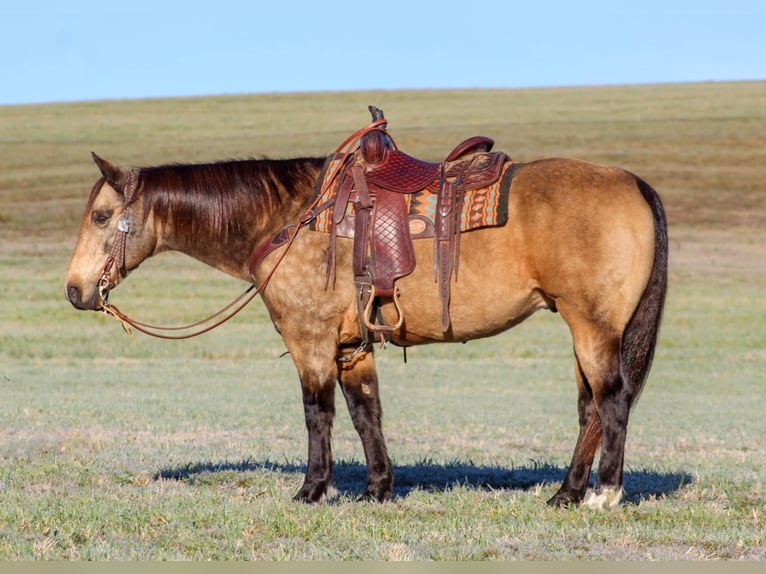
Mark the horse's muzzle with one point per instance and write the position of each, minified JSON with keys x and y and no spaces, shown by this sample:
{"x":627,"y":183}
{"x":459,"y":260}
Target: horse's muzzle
{"x":74,"y":295}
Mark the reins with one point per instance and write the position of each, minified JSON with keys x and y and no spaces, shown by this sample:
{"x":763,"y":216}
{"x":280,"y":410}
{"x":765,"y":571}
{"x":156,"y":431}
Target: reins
{"x":157,"y":331}
{"x":117,"y":256}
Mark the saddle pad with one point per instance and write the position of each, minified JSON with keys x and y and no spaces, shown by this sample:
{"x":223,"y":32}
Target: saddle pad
{"x":483,"y":207}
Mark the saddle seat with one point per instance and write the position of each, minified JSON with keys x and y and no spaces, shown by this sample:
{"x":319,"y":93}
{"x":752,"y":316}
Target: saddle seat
{"x":395,"y":170}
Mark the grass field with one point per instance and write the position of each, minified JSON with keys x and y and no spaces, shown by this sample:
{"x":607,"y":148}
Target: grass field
{"x":120,"y":447}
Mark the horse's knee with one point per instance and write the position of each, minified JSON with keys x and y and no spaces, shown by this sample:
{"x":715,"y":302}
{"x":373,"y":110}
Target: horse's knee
{"x":318,"y":406}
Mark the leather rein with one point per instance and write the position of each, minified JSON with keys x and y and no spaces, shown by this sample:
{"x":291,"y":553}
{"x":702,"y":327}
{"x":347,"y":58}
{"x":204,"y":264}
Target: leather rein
{"x":116,"y":256}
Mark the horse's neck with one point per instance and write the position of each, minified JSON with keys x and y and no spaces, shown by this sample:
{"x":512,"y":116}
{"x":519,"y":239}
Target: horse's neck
{"x":231,"y":254}
{"x":219,"y":222}
{"x":231,"y":259}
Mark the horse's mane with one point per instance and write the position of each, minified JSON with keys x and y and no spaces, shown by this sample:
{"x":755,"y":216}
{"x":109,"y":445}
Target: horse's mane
{"x":217,"y":199}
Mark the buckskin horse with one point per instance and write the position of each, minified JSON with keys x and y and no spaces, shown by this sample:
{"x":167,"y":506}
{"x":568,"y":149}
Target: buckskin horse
{"x":584,"y":240}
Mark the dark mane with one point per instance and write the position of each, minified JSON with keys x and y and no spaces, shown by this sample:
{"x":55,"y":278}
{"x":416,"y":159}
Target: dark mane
{"x":219,"y":199}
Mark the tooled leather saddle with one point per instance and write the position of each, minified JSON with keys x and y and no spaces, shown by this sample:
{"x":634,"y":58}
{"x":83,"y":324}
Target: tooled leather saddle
{"x":383,"y":199}
{"x":375,"y":187}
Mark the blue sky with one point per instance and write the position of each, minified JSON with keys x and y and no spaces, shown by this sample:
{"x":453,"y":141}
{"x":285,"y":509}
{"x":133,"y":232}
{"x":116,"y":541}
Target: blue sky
{"x":84,"y":50}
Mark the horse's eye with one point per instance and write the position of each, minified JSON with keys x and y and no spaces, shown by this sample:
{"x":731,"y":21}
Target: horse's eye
{"x":101,"y":218}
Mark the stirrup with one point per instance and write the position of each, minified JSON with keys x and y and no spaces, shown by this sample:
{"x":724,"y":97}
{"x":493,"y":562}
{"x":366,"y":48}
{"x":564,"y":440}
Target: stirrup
{"x":368,"y":311}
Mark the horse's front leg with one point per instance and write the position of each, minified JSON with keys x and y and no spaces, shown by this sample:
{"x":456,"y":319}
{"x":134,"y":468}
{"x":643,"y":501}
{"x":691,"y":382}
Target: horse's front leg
{"x":319,"y":409}
{"x":318,"y":375}
{"x":359,"y":383}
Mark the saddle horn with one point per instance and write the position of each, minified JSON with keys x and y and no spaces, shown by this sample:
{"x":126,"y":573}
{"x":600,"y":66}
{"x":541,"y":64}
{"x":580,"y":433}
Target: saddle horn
{"x":377,"y":113}
{"x":375,"y":142}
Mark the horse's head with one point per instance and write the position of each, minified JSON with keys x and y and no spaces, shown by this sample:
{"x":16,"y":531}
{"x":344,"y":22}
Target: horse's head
{"x":114,"y":237}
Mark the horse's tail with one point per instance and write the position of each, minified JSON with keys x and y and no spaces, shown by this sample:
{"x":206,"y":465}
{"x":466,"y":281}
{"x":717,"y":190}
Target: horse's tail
{"x":640,"y":337}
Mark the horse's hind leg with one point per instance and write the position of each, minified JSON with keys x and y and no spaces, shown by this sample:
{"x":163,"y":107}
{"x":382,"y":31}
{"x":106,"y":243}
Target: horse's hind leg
{"x":613,"y":401}
{"x":575,"y":483}
{"x":600,"y":377}
{"x":359,"y":383}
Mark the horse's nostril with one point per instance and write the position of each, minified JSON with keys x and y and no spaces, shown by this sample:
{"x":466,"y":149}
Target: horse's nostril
{"x":73,"y":294}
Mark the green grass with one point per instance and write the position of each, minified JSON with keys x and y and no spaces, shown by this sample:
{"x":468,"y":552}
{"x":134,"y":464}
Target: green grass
{"x":125,"y":447}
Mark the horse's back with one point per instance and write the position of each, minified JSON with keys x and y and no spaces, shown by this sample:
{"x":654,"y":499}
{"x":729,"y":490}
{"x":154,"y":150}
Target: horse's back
{"x":579,"y":236}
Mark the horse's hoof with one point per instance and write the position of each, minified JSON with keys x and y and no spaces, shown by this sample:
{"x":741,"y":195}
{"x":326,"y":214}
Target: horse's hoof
{"x":309,"y":495}
{"x":605,"y":499}
{"x":367,"y":497}
{"x":370,"y":496}
{"x":564,"y":500}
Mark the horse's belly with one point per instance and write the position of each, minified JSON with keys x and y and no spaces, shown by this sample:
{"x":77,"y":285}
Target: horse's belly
{"x":491,"y":293}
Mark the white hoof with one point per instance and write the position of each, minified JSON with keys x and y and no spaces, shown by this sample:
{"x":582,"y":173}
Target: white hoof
{"x":607,"y":498}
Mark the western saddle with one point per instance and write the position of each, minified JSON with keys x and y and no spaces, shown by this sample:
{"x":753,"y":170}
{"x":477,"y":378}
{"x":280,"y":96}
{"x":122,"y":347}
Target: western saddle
{"x":374,"y":180}
{"x":365,"y":195}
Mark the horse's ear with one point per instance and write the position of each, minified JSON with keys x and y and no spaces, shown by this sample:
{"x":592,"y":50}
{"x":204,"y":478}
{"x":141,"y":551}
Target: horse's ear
{"x":114,"y":175}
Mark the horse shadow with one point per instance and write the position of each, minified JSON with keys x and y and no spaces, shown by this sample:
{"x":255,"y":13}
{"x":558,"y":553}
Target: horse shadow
{"x":349,"y":477}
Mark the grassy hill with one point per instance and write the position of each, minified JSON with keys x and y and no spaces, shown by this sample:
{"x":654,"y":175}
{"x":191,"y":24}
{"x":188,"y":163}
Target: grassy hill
{"x":702,"y":144}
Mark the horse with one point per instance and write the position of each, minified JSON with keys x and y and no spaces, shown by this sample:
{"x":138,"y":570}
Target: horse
{"x":583,"y":240}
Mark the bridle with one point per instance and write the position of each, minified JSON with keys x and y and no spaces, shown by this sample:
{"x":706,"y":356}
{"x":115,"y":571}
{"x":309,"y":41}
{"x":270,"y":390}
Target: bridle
{"x":286,"y":236}
{"x":117,"y":253}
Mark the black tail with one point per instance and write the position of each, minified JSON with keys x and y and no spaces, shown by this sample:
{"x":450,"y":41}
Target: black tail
{"x":640,"y":337}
